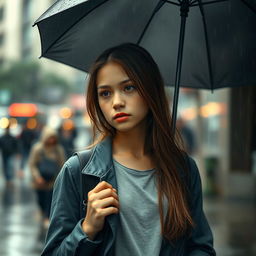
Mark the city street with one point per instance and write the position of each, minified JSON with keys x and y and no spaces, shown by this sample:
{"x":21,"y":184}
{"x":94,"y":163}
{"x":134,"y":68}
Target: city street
{"x":233,"y":222}
{"x":116,"y":68}
{"x":19,"y":220}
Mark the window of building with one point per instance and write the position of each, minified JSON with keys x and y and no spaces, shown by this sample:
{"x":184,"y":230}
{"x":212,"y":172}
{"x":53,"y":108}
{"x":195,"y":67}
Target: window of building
{"x":27,"y":11}
{"x":26,"y":28}
{"x":27,"y":8}
{"x":1,"y":13}
{"x":26,"y":41}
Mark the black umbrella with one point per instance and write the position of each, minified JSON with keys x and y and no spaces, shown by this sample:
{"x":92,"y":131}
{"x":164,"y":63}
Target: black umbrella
{"x":218,"y":49}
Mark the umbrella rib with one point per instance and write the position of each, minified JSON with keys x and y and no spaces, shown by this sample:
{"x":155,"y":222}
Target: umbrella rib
{"x":157,"y":8}
{"x":207,"y":44}
{"x":171,"y":2}
{"x":210,"y":2}
{"x":249,"y":6}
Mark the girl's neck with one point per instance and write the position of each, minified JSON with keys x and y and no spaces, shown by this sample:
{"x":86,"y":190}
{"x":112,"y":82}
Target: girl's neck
{"x":129,"y":150}
{"x":129,"y":143}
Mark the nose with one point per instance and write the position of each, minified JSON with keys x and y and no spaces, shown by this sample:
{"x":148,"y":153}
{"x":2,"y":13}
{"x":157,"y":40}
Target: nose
{"x":118,"y":101}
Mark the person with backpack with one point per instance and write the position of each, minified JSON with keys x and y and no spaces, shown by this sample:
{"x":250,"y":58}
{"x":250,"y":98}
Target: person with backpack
{"x":138,"y":192}
{"x":45,"y":161}
{"x":10,"y":148}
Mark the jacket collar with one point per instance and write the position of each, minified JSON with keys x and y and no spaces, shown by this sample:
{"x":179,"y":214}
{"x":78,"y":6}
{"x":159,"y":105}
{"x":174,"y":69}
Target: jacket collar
{"x":101,"y":159}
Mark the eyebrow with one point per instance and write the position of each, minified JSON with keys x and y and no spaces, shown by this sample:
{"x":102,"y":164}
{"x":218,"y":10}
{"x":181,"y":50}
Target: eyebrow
{"x":120,"y":83}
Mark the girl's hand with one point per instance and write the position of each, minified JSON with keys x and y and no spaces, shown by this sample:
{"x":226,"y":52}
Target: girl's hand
{"x":102,"y":201}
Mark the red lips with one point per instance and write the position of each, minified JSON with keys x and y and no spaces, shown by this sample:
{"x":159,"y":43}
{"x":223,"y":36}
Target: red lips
{"x":118,"y":115}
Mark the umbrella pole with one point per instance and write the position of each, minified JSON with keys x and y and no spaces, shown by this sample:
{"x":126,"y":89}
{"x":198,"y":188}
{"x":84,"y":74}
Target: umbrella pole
{"x":183,"y":13}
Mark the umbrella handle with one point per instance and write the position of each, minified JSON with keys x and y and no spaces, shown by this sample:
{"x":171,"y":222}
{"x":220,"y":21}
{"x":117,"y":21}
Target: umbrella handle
{"x":184,"y":9}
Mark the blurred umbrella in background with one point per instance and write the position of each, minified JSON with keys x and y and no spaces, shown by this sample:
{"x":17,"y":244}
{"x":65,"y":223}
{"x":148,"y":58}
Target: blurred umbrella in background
{"x":218,"y":49}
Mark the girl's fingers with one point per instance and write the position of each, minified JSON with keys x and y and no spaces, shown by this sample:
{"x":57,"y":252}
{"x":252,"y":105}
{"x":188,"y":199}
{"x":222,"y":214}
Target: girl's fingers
{"x":105,"y":193}
{"x":107,"y":211}
{"x":106,"y":202}
{"x":100,"y":186}
{"x":102,"y":190}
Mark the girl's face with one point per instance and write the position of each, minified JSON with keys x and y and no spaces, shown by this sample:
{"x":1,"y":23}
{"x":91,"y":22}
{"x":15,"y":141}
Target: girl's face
{"x":119,"y":100}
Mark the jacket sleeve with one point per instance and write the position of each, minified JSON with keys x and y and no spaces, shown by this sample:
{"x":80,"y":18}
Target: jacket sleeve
{"x":200,"y":242}
{"x":65,"y":236}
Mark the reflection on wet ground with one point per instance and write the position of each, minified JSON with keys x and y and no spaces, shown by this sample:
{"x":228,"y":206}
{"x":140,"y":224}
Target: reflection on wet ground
{"x":233,"y":223}
{"x":19,"y":221}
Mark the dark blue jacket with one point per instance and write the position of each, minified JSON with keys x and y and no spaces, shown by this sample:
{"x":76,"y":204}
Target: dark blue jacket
{"x":66,"y":237}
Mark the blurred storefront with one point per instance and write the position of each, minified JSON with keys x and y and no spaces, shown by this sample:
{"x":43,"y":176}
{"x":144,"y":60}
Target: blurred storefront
{"x":223,"y":123}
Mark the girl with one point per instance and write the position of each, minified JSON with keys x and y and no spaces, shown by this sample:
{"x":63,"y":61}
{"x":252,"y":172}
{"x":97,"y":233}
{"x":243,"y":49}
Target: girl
{"x":149,"y":199}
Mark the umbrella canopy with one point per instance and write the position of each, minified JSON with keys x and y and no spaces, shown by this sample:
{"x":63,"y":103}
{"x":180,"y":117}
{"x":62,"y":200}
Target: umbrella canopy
{"x":76,"y":32}
{"x":218,"y":49}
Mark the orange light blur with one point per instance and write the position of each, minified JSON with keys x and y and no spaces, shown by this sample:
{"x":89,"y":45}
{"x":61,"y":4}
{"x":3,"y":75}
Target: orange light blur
{"x":188,"y":113}
{"x":68,"y":125}
{"x":31,"y":123}
{"x":65,"y":113}
{"x":22,"y":110}
{"x":212,"y":109}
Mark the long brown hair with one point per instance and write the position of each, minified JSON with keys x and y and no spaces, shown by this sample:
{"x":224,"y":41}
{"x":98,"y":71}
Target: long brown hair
{"x":168,"y":156}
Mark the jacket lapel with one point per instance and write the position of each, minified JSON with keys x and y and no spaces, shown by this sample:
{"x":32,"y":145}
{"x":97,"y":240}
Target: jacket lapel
{"x":100,"y":166}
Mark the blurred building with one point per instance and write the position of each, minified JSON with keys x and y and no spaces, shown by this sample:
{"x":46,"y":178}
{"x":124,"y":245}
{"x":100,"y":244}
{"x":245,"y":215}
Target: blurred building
{"x":20,"y":41}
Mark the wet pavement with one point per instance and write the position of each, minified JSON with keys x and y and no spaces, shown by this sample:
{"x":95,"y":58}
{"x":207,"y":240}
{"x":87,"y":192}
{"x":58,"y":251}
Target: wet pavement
{"x":233,"y":222}
{"x":20,"y":231}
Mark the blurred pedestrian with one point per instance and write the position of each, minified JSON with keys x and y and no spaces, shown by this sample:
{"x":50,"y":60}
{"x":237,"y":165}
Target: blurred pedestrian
{"x":146,"y":196}
{"x":67,"y":133}
{"x":45,"y":161}
{"x":10,"y":149}
{"x":26,"y":139}
{"x":187,"y":135}
{"x":38,"y":130}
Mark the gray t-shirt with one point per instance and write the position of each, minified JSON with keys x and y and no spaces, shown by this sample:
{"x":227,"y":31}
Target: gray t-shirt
{"x":139,"y":230}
